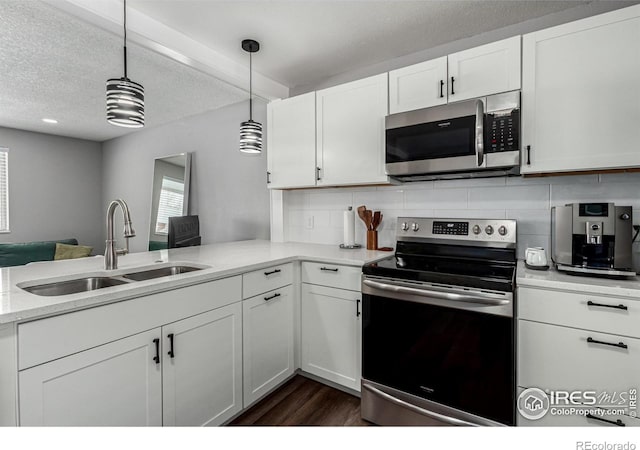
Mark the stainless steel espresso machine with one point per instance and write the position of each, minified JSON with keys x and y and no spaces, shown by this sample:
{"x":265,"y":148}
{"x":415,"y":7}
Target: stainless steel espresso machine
{"x":592,"y":239}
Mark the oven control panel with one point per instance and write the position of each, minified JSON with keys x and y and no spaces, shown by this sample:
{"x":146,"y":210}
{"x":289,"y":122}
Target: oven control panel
{"x":468,"y":230}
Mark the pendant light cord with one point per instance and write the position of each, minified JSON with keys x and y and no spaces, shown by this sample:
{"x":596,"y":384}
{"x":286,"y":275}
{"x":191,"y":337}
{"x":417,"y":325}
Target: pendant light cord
{"x":125,"y":39}
{"x":250,"y":91}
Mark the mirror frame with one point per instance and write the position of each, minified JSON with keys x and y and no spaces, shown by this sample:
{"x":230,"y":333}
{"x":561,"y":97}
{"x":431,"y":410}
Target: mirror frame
{"x":187,"y":189}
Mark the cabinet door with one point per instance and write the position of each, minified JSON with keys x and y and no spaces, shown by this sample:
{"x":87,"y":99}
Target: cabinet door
{"x":267,"y":329}
{"x":116,"y":384}
{"x":202,"y":380}
{"x":350,"y":127}
{"x":331,"y":334}
{"x":418,"y":86}
{"x":580,"y":94}
{"x":291,"y":142}
{"x":488,"y":69}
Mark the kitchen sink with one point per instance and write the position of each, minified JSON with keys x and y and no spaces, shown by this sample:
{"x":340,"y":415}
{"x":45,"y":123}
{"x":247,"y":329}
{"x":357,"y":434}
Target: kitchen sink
{"x":74,"y":286}
{"x":158,"y":273}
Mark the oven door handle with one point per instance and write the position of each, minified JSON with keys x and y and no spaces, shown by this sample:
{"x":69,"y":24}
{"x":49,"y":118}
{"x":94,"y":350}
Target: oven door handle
{"x":431,"y":414}
{"x":478,"y":297}
{"x":479,"y":132}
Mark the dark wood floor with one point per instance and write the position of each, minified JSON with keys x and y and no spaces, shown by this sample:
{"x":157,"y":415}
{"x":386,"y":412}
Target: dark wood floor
{"x":302,"y":401}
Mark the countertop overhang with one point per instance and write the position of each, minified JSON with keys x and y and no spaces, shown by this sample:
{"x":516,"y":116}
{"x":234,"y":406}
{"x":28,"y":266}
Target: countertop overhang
{"x":224,"y":260}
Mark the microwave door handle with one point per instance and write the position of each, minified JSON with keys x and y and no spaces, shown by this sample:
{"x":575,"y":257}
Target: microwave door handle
{"x":479,"y":132}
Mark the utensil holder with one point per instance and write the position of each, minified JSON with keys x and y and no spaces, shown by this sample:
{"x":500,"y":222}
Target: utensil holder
{"x":372,"y":239}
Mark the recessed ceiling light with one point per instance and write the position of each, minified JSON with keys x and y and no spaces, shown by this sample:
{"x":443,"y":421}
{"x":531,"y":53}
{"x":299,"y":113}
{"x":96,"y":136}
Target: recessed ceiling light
{"x":49,"y":120}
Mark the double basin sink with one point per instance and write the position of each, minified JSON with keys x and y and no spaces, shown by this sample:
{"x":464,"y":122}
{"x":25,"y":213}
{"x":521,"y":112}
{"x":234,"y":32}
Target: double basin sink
{"x":93,"y":283}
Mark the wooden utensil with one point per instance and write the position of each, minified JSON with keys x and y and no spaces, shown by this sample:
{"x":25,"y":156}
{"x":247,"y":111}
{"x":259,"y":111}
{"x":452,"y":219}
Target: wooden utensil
{"x":377,"y":218}
{"x":361,"y":210}
{"x":369,"y":216}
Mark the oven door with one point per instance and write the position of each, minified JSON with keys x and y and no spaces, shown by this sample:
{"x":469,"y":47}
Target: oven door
{"x":440,"y":139}
{"x":449,"y":348}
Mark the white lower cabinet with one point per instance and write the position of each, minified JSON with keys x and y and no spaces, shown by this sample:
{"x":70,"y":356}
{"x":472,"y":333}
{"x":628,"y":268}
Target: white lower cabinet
{"x":202,"y":370}
{"x":116,"y":384}
{"x":576,"y":342}
{"x":268,"y":324}
{"x":331,"y":334}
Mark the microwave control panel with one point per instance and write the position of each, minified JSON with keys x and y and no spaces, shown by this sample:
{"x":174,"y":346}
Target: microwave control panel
{"x":502,"y":131}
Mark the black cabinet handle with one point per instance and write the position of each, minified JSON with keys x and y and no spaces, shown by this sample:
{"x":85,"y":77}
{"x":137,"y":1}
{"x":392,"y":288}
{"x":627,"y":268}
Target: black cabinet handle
{"x":618,"y":423}
{"x":157,"y":357}
{"x":528,"y":155}
{"x":266,"y":299}
{"x":619,"y":344}
{"x":329,"y":270}
{"x":602,"y":305}
{"x":266,"y":274}
{"x":441,"y":88}
{"x":171,"y":353}
{"x":452,"y":81}
{"x":268,"y":175}
{"x":358,"y":308}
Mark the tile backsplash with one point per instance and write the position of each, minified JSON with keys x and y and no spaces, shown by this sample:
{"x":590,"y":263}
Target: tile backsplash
{"x":315,"y":215}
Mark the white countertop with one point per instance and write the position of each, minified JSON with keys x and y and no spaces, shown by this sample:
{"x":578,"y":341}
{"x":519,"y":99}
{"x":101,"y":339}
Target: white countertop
{"x":552,"y":279}
{"x":226,"y":259}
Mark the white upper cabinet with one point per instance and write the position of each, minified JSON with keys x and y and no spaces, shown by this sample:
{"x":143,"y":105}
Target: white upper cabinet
{"x":350,"y":132}
{"x":418,"y":86}
{"x":488,"y":69}
{"x":479,"y":71}
{"x":291,"y":142}
{"x":581,"y":95}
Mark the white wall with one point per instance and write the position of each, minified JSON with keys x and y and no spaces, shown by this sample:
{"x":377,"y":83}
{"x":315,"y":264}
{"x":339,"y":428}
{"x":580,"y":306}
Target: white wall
{"x":527,"y":200}
{"x":228,"y":189}
{"x":550,"y":20}
{"x":55,"y":188}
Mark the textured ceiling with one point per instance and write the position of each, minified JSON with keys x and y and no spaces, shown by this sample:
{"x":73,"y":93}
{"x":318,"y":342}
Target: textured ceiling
{"x":55,"y":65}
{"x":304,"y":42}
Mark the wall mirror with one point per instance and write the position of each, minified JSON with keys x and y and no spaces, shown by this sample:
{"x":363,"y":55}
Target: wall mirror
{"x":169,"y":196}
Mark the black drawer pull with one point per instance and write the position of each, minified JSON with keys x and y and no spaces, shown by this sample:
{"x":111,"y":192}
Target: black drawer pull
{"x":619,"y":344}
{"x":266,"y":299}
{"x":441,"y":88}
{"x":452,"y":81}
{"x":171,"y":353}
{"x":528,"y":155}
{"x":328,"y":269}
{"x":618,"y":423}
{"x":156,"y":358}
{"x":266,"y":274}
{"x":620,"y":306}
{"x":358,"y":308}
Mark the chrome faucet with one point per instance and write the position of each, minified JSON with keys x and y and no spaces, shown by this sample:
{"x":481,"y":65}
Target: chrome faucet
{"x":111,"y":252}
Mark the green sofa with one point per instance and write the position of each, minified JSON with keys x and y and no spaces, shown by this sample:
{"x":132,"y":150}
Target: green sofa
{"x":24,"y":253}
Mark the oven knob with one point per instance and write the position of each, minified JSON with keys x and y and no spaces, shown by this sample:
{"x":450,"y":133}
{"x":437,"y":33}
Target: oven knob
{"x":415,"y":226}
{"x":502,"y":230}
{"x":489,"y":230}
{"x":477,"y":229}
{"x":404,"y":226}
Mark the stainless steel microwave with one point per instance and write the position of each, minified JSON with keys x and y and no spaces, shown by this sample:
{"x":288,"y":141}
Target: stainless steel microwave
{"x":473,"y":138}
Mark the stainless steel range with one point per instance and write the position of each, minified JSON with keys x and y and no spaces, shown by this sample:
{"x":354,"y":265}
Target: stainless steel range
{"x":438,"y":342}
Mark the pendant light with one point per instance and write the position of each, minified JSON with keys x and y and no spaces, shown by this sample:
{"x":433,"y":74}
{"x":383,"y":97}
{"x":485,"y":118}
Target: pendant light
{"x":125,"y":98}
{"x":250,"y":131}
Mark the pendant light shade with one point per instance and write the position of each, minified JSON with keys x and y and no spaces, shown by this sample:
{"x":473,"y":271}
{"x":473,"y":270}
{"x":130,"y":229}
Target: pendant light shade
{"x":125,"y":98}
{"x":250,"y":131}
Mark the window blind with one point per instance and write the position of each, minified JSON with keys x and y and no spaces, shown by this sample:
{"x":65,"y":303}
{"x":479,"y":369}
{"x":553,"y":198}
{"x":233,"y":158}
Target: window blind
{"x":4,"y":190}
{"x":170,"y":205}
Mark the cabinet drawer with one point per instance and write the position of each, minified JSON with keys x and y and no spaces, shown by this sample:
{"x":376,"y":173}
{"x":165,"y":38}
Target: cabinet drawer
{"x":342,"y":277}
{"x":268,"y":279}
{"x":614,"y":315}
{"x":554,"y":357}
{"x":54,"y":337}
